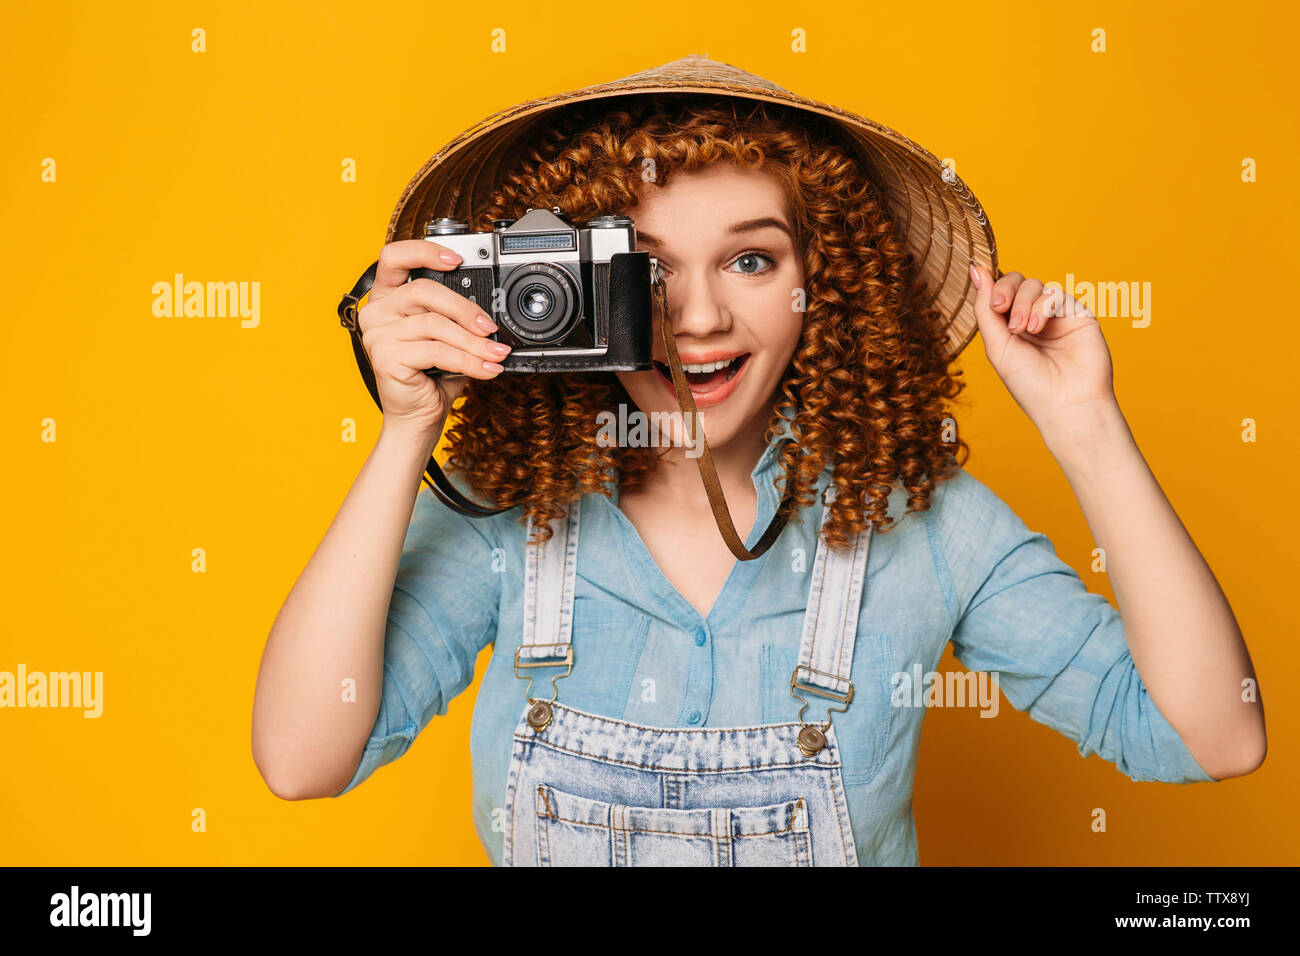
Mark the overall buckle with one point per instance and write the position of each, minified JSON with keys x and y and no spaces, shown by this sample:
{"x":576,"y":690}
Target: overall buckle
{"x":812,"y":737}
{"x":539,"y":714}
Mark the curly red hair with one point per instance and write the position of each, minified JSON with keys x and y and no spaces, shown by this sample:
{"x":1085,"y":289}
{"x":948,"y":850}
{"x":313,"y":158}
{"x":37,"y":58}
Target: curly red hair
{"x":867,"y":381}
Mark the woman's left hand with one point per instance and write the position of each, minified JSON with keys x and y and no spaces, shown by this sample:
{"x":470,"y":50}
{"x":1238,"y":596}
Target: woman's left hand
{"x":1047,"y":349}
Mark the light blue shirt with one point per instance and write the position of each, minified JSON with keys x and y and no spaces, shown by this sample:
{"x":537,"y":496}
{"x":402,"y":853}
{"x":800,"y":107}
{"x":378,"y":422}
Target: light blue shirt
{"x":968,"y":571}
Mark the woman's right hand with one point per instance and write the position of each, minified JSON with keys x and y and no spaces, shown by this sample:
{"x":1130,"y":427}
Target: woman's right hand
{"x":407,"y":327}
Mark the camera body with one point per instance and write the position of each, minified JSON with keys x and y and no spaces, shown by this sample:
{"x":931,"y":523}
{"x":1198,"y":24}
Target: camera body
{"x":565,"y":298}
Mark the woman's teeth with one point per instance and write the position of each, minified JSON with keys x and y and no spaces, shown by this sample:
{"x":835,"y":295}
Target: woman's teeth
{"x":706,"y":377}
{"x":708,"y":366}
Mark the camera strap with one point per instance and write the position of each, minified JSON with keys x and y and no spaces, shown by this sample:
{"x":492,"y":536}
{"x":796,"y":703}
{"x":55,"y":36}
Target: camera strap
{"x":708,"y":473}
{"x":433,"y":476}
{"x":449,"y":495}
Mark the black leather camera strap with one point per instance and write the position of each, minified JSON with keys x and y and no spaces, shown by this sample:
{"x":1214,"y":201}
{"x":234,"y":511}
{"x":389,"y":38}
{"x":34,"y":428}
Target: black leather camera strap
{"x":449,"y":495}
{"x":438,"y":482}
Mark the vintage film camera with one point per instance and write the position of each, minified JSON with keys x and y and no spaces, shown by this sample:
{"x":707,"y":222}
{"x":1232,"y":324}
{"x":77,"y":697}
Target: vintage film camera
{"x":565,"y":298}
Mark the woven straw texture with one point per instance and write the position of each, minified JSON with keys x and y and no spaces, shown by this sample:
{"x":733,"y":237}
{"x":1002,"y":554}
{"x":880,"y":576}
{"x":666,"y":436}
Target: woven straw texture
{"x":942,"y":222}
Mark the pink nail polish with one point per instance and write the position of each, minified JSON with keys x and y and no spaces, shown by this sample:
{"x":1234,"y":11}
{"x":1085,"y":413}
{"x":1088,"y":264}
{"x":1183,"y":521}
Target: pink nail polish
{"x":974,"y":275}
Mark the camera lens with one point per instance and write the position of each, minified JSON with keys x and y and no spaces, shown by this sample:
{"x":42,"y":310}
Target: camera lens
{"x":537,"y":302}
{"x":543,"y":303}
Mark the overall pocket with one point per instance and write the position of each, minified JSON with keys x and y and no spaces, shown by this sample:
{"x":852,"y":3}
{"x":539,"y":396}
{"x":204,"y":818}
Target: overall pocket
{"x":576,"y":831}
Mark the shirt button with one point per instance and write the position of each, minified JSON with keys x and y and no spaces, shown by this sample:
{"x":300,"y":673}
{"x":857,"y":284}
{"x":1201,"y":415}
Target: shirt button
{"x":700,"y":638}
{"x":693,"y":717}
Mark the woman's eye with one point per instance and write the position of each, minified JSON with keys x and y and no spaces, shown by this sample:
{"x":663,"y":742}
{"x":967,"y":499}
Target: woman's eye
{"x":749,"y":263}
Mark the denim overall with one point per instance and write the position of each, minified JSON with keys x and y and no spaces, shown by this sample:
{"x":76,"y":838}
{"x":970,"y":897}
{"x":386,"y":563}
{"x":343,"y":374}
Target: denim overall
{"x":586,"y":790}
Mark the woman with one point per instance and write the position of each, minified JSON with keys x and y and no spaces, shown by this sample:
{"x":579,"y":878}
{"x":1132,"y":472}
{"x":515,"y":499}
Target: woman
{"x":675,"y":733}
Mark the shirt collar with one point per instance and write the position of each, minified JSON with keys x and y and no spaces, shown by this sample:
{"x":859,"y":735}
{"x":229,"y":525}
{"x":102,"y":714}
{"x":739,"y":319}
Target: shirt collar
{"x":769,"y":461}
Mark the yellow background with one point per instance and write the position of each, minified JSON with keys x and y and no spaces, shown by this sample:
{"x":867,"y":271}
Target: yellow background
{"x":182,"y":433}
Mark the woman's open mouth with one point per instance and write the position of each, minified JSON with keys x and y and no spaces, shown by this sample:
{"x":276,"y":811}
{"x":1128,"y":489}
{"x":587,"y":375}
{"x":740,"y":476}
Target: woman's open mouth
{"x":709,"y":383}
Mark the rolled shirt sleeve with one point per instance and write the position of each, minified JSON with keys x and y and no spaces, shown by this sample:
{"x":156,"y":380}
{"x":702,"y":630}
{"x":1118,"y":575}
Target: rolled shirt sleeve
{"x":443,"y":612}
{"x":1059,"y":650}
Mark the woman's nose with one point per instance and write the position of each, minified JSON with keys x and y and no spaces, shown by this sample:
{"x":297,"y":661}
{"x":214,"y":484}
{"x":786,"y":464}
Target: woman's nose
{"x":697,"y":308}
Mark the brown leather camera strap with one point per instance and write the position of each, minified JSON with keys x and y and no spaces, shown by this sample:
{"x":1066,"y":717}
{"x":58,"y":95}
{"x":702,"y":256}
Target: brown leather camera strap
{"x":708,"y":473}
{"x":450,"y":496}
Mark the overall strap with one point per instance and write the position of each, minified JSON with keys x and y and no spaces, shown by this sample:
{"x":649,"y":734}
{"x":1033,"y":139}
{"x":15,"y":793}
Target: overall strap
{"x":830,"y":626}
{"x":550,"y":575}
{"x":550,"y":578}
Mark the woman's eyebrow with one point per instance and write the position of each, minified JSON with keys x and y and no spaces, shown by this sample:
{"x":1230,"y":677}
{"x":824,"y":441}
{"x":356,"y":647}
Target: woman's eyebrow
{"x":748,"y":225}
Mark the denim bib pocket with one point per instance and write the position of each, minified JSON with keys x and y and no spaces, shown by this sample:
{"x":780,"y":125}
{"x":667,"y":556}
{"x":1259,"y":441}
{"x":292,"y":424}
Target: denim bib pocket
{"x":576,"y":831}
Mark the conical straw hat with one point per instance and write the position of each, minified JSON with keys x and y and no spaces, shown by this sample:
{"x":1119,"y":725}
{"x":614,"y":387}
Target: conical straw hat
{"x":940,"y":219}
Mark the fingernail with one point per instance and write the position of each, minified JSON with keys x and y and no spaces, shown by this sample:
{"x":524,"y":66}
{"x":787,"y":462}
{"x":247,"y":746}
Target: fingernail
{"x":499,"y":347}
{"x":493,"y":367}
{"x":998,"y":300}
{"x":484,"y":323}
{"x":449,"y":257}
{"x":974,"y":275}
{"x":1017,"y":320}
